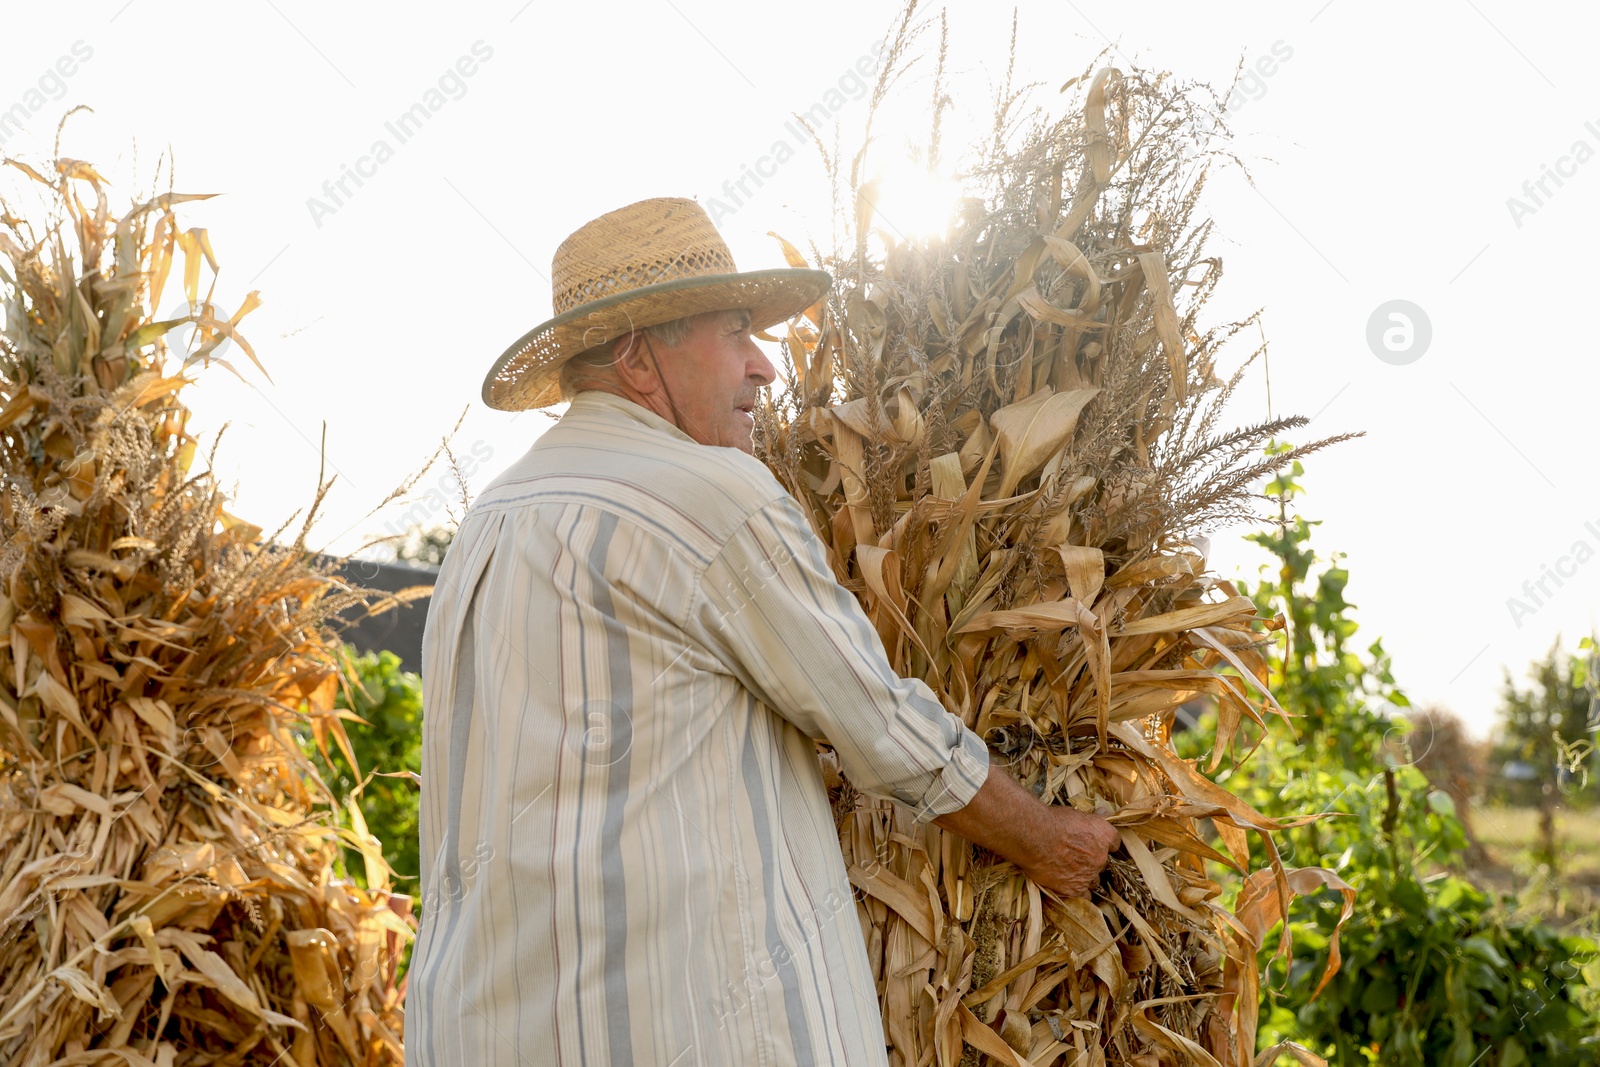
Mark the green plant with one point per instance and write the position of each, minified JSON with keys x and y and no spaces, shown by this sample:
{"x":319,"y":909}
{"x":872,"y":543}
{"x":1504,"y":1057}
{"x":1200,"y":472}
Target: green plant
{"x":387,"y":747}
{"x":1549,"y":729}
{"x":1435,"y":971}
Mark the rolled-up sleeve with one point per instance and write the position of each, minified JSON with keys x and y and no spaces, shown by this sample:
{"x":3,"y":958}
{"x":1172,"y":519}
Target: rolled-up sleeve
{"x":771,"y":609}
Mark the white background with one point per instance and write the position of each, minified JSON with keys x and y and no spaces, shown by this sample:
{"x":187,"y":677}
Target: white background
{"x":1384,"y":150}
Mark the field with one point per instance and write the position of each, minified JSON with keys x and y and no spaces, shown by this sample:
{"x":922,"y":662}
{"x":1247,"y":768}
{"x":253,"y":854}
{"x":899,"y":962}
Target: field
{"x":1570,"y":894}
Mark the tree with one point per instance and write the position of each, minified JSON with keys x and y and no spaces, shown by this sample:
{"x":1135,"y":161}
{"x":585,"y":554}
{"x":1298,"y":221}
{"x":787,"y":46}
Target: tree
{"x":425,"y":545}
{"x":1550,"y":728}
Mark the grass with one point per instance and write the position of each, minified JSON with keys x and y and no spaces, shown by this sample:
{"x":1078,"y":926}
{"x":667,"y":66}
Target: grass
{"x":1569,"y":893}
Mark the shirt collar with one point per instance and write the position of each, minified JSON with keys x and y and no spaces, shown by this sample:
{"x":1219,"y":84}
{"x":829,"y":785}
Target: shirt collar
{"x":598,"y":400}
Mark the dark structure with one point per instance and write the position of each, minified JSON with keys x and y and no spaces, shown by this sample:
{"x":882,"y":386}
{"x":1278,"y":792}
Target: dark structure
{"x":399,"y":629}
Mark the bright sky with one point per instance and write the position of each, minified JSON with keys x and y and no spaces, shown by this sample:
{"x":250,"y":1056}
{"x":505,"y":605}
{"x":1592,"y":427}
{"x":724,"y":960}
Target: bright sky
{"x":1385,"y":139}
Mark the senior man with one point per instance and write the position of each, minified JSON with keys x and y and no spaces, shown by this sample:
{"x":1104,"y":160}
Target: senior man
{"x":628,"y":855}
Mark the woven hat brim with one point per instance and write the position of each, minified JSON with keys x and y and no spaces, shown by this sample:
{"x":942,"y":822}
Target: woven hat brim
{"x":526,"y":374}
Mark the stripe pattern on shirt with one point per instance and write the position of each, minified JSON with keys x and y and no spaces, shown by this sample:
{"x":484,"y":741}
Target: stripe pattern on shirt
{"x":628,"y":853}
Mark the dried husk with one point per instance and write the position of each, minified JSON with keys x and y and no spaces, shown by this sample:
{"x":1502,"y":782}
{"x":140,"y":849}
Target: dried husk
{"x":1006,"y":437}
{"x":166,"y":882}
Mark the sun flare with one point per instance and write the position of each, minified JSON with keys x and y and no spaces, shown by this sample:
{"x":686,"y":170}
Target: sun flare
{"x":913,"y":203}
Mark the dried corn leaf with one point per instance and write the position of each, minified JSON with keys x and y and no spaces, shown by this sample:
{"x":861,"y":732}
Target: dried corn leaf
{"x":161,"y":851}
{"x":1056,"y":599}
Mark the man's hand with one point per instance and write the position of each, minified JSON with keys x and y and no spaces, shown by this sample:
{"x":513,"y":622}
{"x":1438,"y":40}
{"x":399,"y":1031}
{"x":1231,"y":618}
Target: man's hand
{"x":1060,"y":848}
{"x":1072,"y":858}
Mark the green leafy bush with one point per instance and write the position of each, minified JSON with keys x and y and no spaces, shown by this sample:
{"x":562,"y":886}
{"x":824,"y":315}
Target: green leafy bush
{"x":1434,"y":970}
{"x":1436,"y":973}
{"x":389,"y":699}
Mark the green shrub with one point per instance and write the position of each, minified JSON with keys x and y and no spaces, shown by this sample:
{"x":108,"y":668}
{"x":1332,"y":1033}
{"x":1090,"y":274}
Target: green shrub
{"x":1434,"y":971}
{"x":390,"y":700}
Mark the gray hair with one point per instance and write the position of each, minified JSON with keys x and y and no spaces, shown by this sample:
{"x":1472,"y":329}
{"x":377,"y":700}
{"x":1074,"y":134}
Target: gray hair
{"x":590,"y":367}
{"x":674,"y":333}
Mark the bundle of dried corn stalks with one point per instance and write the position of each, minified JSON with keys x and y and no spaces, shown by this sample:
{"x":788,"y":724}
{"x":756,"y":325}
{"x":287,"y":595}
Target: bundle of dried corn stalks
{"x":166,"y":893}
{"x":1007,"y":437}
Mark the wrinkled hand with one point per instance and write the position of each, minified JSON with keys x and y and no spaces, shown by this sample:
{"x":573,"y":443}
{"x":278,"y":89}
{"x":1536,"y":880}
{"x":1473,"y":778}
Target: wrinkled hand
{"x":1060,"y":848}
{"x":1073,"y":852}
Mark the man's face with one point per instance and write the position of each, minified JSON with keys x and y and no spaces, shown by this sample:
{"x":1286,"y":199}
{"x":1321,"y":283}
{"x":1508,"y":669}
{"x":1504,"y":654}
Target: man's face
{"x":713,"y":378}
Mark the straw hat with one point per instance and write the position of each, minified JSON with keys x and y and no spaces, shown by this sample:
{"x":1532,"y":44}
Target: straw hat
{"x":639,"y":266}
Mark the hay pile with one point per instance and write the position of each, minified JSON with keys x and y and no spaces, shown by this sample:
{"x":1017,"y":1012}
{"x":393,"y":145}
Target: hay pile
{"x":1008,"y":438}
{"x":166,"y":894}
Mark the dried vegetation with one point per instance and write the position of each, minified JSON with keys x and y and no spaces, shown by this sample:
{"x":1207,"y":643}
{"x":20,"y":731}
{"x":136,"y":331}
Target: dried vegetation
{"x":166,"y":883}
{"x":1011,"y":437}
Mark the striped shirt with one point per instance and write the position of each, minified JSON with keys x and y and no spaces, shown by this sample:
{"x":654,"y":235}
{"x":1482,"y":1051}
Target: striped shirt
{"x":628,"y":856}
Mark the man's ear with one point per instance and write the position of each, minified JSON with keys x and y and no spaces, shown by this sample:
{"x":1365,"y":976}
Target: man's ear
{"x":634,"y":363}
